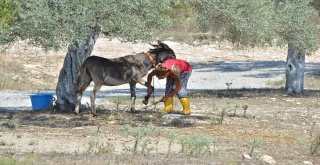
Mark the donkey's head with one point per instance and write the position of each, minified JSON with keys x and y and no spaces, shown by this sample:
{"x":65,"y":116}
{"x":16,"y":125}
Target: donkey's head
{"x":162,"y":52}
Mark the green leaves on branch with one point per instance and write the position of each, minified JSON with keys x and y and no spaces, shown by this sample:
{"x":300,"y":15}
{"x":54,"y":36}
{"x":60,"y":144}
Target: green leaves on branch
{"x":55,"y":24}
{"x":296,"y":24}
{"x":7,"y":11}
{"x":259,"y":22}
{"x":243,"y":23}
{"x":250,"y":23}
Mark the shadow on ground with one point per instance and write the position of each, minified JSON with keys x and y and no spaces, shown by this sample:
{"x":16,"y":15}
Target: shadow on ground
{"x":54,"y":119}
{"x":275,"y":67}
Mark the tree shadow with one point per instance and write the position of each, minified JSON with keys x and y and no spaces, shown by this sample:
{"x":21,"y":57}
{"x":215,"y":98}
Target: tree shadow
{"x":274,"y":68}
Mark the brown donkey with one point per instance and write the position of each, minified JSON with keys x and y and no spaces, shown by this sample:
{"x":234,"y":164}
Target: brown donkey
{"x":112,"y":72}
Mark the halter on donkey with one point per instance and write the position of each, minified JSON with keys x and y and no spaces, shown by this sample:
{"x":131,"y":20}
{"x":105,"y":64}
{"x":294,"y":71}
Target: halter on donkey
{"x":112,"y":72}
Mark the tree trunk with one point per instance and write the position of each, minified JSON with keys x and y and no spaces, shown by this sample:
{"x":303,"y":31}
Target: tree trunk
{"x":295,"y":71}
{"x":67,"y":83}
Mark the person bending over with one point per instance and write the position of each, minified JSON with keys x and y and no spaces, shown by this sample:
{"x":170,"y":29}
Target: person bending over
{"x":177,"y":73}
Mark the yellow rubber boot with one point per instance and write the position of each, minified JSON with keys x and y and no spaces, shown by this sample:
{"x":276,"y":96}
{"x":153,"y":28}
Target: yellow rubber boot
{"x":185,"y":102}
{"x":168,"y":105}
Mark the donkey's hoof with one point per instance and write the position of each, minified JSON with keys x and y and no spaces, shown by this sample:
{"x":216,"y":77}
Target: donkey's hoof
{"x":132,"y":110}
{"x":145,"y":102}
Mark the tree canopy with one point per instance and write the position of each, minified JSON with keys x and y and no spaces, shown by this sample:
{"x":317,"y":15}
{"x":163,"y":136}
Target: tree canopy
{"x":250,"y":23}
{"x":7,"y":12}
{"x":55,"y":24}
{"x":259,"y":22}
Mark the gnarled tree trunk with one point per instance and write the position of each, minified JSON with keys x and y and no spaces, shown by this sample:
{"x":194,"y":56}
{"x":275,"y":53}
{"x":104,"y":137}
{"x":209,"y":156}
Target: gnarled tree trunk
{"x":67,"y":83}
{"x":295,"y":68}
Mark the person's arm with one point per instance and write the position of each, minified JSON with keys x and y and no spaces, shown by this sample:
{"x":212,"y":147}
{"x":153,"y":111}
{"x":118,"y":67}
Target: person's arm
{"x":177,"y":82}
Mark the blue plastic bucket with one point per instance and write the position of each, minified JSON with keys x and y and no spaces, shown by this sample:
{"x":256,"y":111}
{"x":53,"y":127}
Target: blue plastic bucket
{"x":42,"y":101}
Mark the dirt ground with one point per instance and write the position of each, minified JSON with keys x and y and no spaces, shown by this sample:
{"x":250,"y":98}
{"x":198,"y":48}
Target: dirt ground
{"x":226,"y":125}
{"x":283,"y":127}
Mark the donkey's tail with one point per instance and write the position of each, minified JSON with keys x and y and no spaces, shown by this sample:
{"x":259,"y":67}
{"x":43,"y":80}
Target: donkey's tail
{"x":82,"y":75}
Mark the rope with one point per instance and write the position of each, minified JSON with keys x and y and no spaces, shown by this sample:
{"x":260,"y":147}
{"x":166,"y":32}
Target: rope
{"x":153,"y":89}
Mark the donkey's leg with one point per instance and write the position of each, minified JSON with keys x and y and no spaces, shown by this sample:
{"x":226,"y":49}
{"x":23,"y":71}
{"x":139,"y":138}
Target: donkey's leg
{"x":146,"y":98}
{"x":96,"y":88}
{"x":133,"y":95}
{"x":79,"y":96}
{"x":83,"y":82}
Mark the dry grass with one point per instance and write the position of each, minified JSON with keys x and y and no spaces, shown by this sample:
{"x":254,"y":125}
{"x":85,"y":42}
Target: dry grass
{"x":30,"y":70}
{"x":310,"y":82}
{"x":9,"y":73}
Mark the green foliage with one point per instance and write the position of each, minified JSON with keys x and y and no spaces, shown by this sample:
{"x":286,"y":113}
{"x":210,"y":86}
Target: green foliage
{"x":55,"y":24}
{"x":171,"y":136}
{"x":33,"y":142}
{"x":7,"y":11}
{"x":252,"y":145}
{"x":95,"y":147}
{"x":296,"y":24}
{"x":199,"y":144}
{"x":259,"y":22}
{"x":25,"y":160}
{"x":140,"y":135}
{"x":243,"y":23}
{"x":7,"y":161}
{"x":250,"y":23}
{"x":316,"y":5}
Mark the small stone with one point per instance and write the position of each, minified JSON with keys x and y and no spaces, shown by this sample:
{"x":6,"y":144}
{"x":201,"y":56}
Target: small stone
{"x":172,"y":116}
{"x":246,"y":157}
{"x":268,"y":159}
{"x":113,"y":122}
{"x":164,"y":124}
{"x":307,"y":163}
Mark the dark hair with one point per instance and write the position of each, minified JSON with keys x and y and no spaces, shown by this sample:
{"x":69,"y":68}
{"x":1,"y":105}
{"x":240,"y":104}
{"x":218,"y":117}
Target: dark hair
{"x":161,"y":70}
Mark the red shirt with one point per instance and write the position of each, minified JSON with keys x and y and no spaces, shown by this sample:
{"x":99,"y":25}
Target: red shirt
{"x":183,"y":65}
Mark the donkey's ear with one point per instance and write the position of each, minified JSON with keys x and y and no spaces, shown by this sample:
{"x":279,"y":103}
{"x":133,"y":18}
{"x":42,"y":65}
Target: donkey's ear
{"x":164,"y":46}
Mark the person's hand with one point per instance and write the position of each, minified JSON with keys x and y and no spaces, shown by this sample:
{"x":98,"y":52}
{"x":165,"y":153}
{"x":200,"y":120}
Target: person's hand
{"x":165,"y":98}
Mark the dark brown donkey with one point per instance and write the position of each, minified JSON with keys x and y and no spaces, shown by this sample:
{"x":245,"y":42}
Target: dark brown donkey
{"x":112,"y":72}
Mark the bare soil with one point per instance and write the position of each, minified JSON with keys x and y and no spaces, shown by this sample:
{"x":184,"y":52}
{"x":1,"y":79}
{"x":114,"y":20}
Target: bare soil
{"x":261,"y":120}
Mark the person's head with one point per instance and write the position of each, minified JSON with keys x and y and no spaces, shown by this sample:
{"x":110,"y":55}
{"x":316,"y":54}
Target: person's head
{"x":161,"y":72}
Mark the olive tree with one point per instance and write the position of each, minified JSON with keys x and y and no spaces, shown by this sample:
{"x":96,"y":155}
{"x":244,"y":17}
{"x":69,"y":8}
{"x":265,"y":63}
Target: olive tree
{"x":53,"y":24}
{"x":7,"y":11}
{"x":288,"y":24}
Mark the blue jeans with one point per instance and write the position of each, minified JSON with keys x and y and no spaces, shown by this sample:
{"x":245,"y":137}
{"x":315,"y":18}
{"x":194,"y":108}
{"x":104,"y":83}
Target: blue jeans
{"x":182,"y":93}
